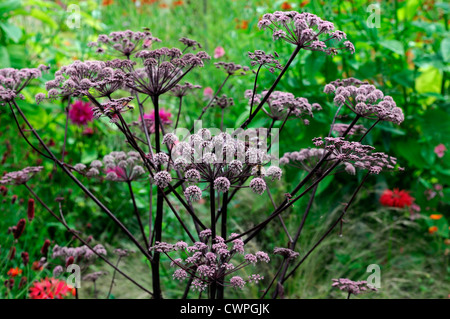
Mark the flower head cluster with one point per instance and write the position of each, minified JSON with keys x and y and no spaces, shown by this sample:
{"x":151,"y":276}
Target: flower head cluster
{"x":112,"y":108}
{"x":305,"y":159}
{"x":352,"y":287}
{"x":163,"y":69}
{"x":189,"y":43}
{"x":219,"y":160}
{"x":396,"y":198}
{"x":118,"y":167}
{"x":286,"y":253}
{"x":232,"y":68}
{"x":80,"y":254}
{"x":365,"y":100}
{"x":180,"y":90}
{"x":20,"y":177}
{"x":89,"y":78}
{"x":223,"y":101}
{"x":124,"y":42}
{"x":357,"y":155}
{"x":305,"y":30}
{"x":94,"y":276}
{"x":341,"y":128}
{"x":50,"y":288}
{"x":13,"y":81}
{"x":212,"y":263}
{"x":282,"y":103}
{"x":261,"y":58}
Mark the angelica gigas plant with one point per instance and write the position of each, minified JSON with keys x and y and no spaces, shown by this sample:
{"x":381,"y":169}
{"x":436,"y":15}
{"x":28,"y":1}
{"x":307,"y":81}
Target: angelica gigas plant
{"x":191,"y":171}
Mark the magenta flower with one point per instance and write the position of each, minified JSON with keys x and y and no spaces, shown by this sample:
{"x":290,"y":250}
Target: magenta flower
{"x":118,"y":171}
{"x":150,"y":119}
{"x":219,"y":52}
{"x":440,"y":150}
{"x":208,"y":92}
{"x":80,"y":113}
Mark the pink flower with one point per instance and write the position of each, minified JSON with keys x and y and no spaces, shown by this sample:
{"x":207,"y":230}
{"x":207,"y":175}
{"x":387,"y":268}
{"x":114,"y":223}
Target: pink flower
{"x":150,"y":119}
{"x":208,"y":92}
{"x":118,"y":171}
{"x":440,"y":150}
{"x":219,"y":52}
{"x":80,"y":113}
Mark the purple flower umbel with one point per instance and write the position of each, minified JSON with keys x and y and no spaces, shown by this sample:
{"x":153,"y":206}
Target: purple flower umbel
{"x":305,"y":30}
{"x":124,"y":42}
{"x":20,"y":177}
{"x":163,"y":69}
{"x":352,"y":287}
{"x":212,"y":263}
{"x":365,"y":100}
{"x":12,"y":81}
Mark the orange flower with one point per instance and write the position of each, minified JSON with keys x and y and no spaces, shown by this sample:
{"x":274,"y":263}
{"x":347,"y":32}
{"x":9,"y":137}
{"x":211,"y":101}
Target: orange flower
{"x":241,"y":24}
{"x":13,"y":272}
{"x":432,"y":229}
{"x":163,"y":5}
{"x":286,"y":6}
{"x":436,"y":216}
{"x":107,"y":2}
{"x":177,"y":3}
{"x":304,"y":3}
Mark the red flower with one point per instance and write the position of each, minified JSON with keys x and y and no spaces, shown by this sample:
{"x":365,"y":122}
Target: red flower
{"x":396,"y":198}
{"x":13,"y":272}
{"x":80,"y":113}
{"x":50,"y":289}
{"x":286,"y":6}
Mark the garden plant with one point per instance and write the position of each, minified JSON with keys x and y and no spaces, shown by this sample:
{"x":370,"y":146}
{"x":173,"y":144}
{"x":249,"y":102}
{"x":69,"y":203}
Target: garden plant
{"x":221,"y":179}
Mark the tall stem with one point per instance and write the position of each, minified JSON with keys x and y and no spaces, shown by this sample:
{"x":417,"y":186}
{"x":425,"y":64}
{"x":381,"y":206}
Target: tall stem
{"x":159,"y":209}
{"x":136,"y":213}
{"x":213,"y":286}
{"x":79,"y":184}
{"x":336,"y":222}
{"x":254,"y":89}
{"x":272,"y":88}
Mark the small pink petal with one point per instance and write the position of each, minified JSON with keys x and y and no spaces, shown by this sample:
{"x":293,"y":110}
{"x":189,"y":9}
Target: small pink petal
{"x":440,"y":150}
{"x":219,"y":52}
{"x":208,"y":92}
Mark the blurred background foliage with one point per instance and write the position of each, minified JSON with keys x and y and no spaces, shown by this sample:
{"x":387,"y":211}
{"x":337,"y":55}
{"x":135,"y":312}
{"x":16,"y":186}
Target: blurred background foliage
{"x":407,"y":57}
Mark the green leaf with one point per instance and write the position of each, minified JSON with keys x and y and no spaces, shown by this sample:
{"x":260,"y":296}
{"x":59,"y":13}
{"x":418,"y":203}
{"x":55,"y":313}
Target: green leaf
{"x":428,"y":155}
{"x":393,"y":45}
{"x":409,"y":10}
{"x":445,"y":49}
{"x":12,"y":32}
{"x":429,"y":81}
{"x":88,"y":155}
{"x":42,"y":16}
{"x":7,"y":6}
{"x":5,"y":62}
{"x":324,"y":184}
